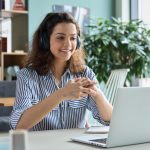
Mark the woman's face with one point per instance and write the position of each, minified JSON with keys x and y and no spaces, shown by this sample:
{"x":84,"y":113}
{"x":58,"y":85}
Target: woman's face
{"x":63,"y":41}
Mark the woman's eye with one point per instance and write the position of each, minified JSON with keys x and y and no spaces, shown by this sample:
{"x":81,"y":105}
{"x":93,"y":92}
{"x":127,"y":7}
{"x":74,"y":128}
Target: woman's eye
{"x":60,"y":38}
{"x":73,"y":38}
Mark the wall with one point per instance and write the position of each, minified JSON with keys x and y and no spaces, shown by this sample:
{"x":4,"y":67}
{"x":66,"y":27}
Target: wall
{"x":122,"y":9}
{"x":39,"y":8}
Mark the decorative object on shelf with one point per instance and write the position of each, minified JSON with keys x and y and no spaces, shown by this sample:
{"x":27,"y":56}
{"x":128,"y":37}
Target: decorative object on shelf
{"x":18,"y":5}
{"x":115,"y":44}
{"x":11,"y":72}
{"x":11,"y":59}
{"x":16,"y":69}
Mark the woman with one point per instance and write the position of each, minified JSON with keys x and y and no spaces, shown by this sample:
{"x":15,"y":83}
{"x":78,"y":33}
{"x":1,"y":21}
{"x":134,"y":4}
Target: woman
{"x":55,"y":88}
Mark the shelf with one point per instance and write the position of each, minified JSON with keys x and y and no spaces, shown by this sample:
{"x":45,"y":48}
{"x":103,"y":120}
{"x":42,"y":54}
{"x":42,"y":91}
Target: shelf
{"x":11,"y":59}
{"x":14,"y":26}
{"x":12,"y":13}
{"x":13,"y":53}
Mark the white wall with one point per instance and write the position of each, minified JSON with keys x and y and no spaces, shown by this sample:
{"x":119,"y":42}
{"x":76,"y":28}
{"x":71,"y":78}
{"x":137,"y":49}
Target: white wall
{"x":144,"y":9}
{"x":123,"y":9}
{"x":7,"y":32}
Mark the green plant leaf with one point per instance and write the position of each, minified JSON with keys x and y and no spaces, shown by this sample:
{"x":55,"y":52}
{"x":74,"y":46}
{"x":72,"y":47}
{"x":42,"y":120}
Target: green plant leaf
{"x":114,"y":44}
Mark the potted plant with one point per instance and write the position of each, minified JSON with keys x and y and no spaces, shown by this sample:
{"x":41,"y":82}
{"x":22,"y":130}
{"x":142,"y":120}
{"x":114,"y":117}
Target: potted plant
{"x":113,"y":44}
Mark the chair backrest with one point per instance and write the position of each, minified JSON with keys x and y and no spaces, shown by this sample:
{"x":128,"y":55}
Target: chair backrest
{"x":8,"y":88}
{"x":116,"y":79}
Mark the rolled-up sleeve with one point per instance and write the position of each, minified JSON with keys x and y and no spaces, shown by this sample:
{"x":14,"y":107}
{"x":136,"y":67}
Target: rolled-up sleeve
{"x":91,"y":105}
{"x":23,"y":99}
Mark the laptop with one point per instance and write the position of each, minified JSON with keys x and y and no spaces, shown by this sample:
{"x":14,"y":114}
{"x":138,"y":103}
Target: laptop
{"x":130,"y":123}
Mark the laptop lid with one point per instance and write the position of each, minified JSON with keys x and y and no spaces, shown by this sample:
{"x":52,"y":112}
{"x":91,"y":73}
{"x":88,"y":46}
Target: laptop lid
{"x":130,"y":123}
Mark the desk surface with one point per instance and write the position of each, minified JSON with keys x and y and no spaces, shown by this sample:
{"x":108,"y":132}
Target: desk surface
{"x":60,"y":140}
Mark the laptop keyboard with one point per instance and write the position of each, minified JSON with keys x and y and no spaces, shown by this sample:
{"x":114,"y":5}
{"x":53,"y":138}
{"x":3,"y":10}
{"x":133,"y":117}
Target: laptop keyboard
{"x":100,"y":140}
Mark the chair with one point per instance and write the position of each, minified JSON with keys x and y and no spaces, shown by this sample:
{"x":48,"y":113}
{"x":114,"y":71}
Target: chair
{"x":116,"y":79}
{"x":7,"y":97}
{"x":5,"y":112}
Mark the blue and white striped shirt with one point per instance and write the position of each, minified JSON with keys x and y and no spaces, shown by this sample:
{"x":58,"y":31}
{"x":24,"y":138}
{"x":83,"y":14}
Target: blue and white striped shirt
{"x":31,"y":88}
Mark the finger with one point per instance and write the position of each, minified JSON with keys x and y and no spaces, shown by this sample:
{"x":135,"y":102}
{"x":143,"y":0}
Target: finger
{"x":85,"y":81}
{"x":89,"y":91}
{"x":92,"y":93}
{"x":77,"y":79}
{"x":81,"y":96}
{"x":92,"y":85}
{"x":89,"y":83}
{"x":84,"y":95}
{"x":85,"y":90}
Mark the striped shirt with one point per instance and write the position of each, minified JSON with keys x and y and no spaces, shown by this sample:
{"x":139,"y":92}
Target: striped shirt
{"x":32,"y":88}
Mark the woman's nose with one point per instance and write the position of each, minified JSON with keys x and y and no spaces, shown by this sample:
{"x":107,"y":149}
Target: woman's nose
{"x":67,"y":43}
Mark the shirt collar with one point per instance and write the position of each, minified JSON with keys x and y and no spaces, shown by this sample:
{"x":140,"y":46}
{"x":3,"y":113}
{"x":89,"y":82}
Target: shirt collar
{"x":67,"y":71}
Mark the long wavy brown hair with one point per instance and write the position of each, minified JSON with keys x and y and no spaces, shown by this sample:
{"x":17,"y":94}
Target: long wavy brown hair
{"x":40,"y":57}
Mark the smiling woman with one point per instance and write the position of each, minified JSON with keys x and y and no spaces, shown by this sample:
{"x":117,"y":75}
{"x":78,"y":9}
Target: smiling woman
{"x":50,"y":35}
{"x":56,"y":87}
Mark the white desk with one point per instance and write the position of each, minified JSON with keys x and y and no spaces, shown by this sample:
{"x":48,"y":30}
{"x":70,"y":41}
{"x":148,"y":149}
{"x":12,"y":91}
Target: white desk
{"x":60,"y":140}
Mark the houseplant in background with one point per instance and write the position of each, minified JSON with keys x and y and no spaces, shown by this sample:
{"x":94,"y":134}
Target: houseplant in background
{"x":113,"y":44}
